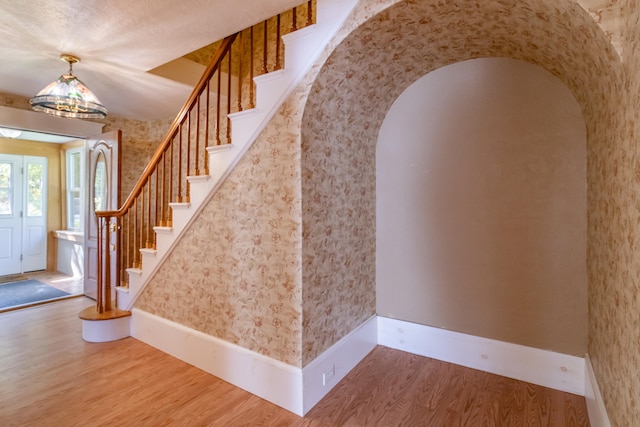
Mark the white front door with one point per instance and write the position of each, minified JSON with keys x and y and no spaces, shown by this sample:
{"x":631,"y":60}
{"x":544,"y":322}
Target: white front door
{"x":23,"y":214}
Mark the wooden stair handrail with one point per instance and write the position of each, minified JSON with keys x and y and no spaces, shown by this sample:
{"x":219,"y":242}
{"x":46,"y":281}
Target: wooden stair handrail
{"x":173,"y":130}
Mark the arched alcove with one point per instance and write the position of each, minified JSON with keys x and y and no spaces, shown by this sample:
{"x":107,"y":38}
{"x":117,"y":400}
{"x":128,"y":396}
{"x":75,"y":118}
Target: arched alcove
{"x":354,"y":90}
{"x":481,"y":212}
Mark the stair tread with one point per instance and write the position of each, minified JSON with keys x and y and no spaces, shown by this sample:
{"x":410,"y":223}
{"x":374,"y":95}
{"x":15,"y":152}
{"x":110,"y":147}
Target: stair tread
{"x":163,"y":230}
{"x":91,"y":313}
{"x":183,"y":205}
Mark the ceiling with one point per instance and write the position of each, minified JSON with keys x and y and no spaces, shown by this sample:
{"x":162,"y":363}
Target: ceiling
{"x":118,"y":42}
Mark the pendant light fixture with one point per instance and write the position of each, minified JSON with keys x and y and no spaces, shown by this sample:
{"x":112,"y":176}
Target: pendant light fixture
{"x":68,"y":97}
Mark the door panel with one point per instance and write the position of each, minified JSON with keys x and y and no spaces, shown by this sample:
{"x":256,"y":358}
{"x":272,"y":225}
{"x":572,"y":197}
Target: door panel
{"x":103,"y":192}
{"x":23,"y":213}
{"x":34,"y":240}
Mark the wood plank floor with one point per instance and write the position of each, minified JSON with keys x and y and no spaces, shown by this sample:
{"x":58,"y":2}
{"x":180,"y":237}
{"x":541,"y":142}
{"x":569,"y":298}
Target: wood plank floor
{"x":50,"y":377}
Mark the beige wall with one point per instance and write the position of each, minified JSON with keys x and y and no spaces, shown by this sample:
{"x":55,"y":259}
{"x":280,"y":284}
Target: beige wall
{"x":481,"y":206}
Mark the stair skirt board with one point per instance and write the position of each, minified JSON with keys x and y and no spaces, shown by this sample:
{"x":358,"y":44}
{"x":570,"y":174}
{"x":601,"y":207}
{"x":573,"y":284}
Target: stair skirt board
{"x":298,"y":390}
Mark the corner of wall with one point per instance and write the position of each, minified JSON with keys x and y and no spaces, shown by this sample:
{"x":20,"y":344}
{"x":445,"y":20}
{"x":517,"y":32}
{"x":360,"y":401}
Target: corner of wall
{"x":598,"y":416}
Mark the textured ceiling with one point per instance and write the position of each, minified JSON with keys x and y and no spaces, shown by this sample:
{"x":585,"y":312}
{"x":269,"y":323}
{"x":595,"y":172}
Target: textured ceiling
{"x":118,"y":41}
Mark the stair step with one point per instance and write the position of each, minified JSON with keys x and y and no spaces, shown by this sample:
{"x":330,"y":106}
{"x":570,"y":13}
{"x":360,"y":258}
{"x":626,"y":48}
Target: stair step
{"x":223,"y":147}
{"x":90,"y":313}
{"x":176,"y":205}
{"x":107,"y":326}
{"x":148,"y":251}
{"x":198,"y":178}
{"x":163,"y":230}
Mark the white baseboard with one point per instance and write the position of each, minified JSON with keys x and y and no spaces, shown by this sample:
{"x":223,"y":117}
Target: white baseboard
{"x":595,"y":405}
{"x":300,"y":389}
{"x":267,"y":378}
{"x":328,"y":369}
{"x":294,"y":389}
{"x":545,"y":368}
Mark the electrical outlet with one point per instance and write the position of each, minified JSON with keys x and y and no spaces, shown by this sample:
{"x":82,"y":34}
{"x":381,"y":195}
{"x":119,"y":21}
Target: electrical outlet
{"x":328,"y":375}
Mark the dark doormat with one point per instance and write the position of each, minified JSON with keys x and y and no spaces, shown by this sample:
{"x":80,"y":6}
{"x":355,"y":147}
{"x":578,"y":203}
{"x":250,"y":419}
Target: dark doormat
{"x":25,"y":292}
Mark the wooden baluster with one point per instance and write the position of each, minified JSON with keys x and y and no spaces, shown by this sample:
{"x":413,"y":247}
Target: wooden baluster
{"x":188,"y":164}
{"x":264,"y":49}
{"x":277,"y":66}
{"x":229,"y":100}
{"x":309,"y":12}
{"x":163,"y":201}
{"x":107,"y":265}
{"x":127,"y":247}
{"x":155,"y":210}
{"x":240,"y":72}
{"x":180,"y":165}
{"x":119,"y":252}
{"x":100,"y":254}
{"x":170,"y":212}
{"x":251,"y":95}
{"x":134,"y":233}
{"x":142,"y":220}
{"x":294,"y":20}
{"x":149,"y":242}
{"x":197,"y":153}
{"x":188,"y":150}
{"x":218,"y":108}
{"x":206,"y":131}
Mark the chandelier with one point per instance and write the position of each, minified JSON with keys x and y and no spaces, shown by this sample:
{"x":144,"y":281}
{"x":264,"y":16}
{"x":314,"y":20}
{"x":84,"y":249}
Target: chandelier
{"x":68,"y":97}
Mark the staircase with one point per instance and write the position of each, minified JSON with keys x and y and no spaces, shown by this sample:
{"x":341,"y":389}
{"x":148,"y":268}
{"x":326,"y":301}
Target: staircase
{"x":238,"y":94}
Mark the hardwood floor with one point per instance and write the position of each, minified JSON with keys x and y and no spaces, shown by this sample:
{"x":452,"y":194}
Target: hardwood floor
{"x":72,"y":285}
{"x":50,"y":377}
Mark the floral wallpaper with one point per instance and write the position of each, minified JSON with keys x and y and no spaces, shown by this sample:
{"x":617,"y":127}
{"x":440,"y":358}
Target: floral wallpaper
{"x":235,"y":273}
{"x":614,"y":235}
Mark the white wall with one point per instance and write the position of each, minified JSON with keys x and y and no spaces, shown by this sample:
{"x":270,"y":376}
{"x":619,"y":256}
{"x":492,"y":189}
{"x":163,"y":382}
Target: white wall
{"x":481,"y":206}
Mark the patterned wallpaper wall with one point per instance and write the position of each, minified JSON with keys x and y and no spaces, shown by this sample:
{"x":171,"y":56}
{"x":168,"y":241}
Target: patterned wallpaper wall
{"x":235,"y":274}
{"x":353,"y":91}
{"x":614,"y":236}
